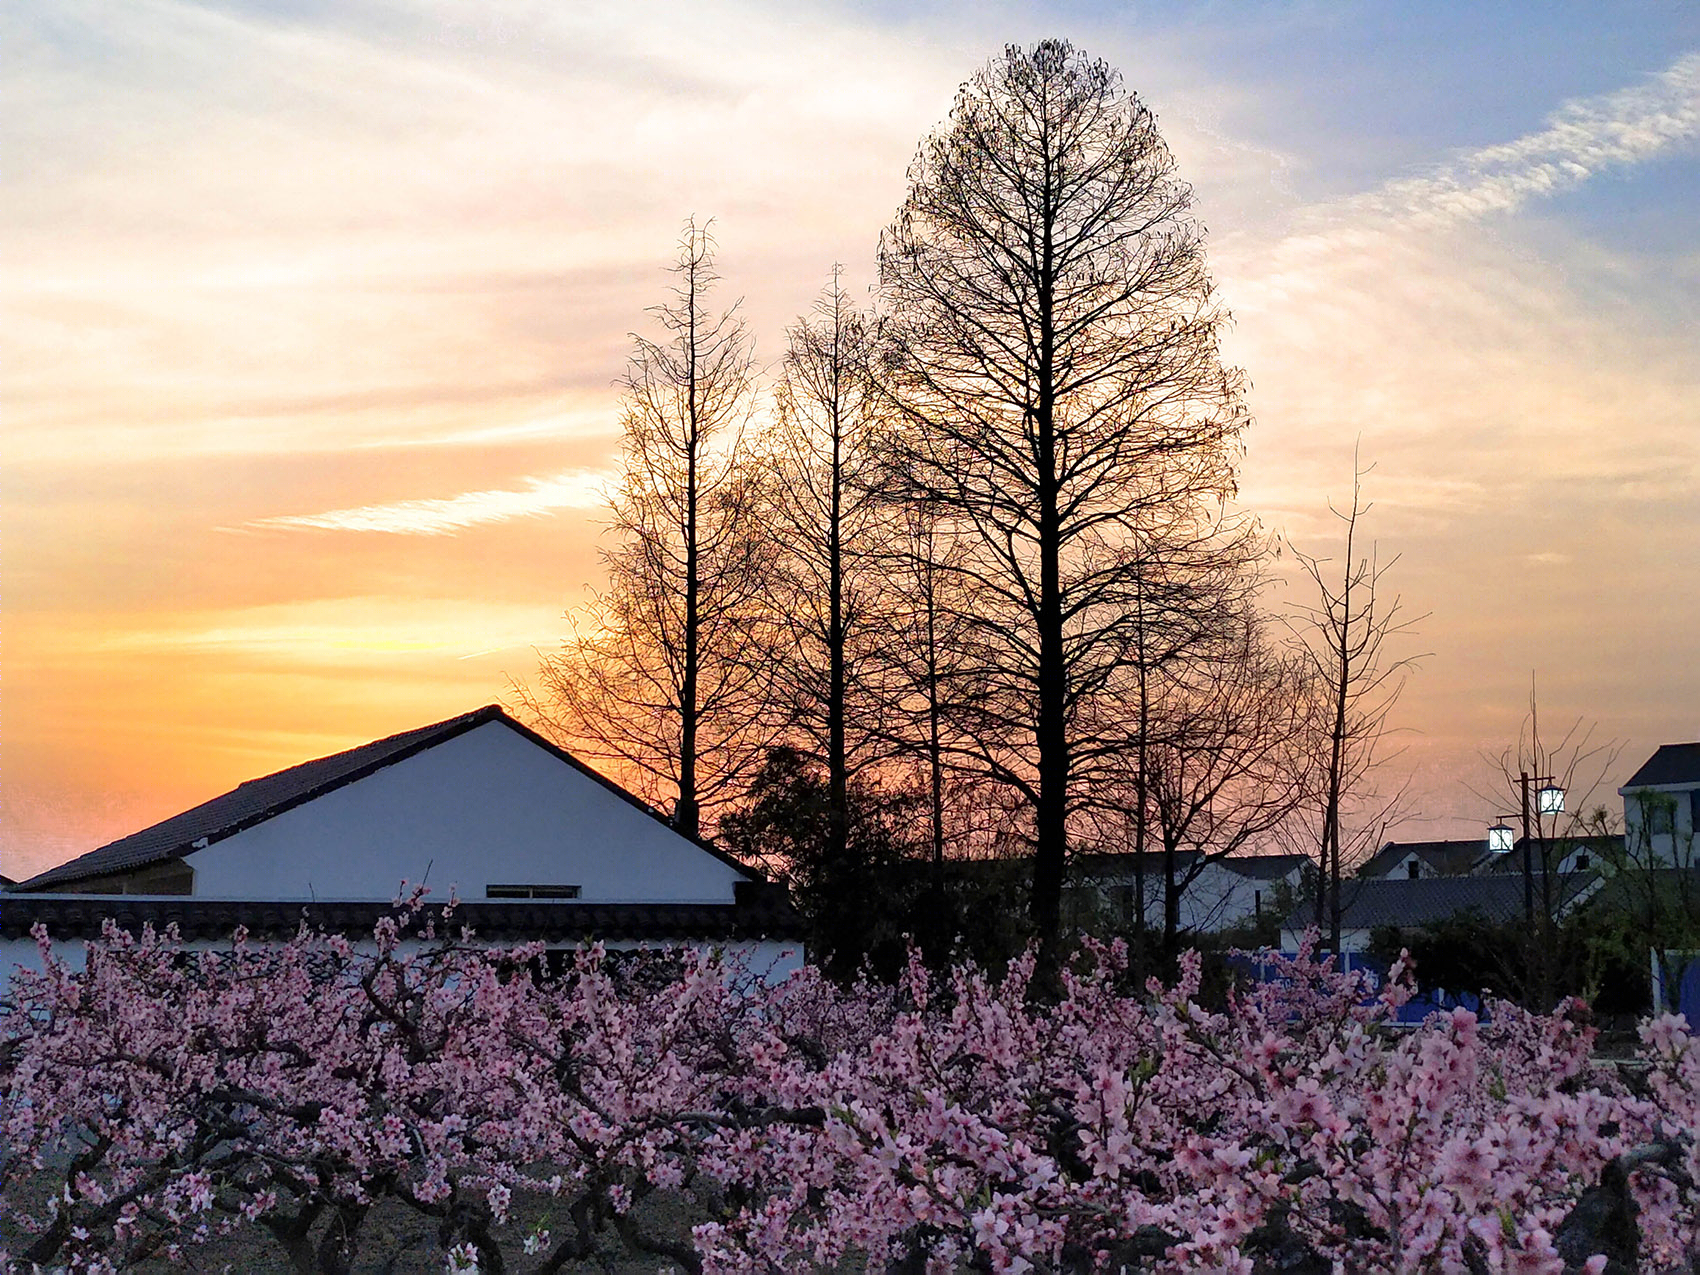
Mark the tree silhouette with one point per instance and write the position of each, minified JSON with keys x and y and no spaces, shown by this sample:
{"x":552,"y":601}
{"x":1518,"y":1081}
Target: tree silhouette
{"x":1051,"y":360}
{"x":656,"y":674}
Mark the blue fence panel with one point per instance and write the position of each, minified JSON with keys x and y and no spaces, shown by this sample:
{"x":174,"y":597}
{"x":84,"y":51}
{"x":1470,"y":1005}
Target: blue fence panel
{"x":1413,"y":1011}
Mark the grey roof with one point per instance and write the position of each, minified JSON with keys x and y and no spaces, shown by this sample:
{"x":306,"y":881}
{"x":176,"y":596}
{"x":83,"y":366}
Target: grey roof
{"x":1398,"y":901}
{"x":257,"y":800}
{"x":1266,"y":867}
{"x":1447,"y":858}
{"x":1671,"y":764}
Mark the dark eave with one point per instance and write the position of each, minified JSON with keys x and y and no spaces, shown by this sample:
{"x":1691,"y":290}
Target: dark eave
{"x":761,"y":912}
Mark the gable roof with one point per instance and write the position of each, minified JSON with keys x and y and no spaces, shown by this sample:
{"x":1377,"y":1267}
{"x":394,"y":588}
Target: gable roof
{"x":1447,"y":858}
{"x":1364,"y":905}
{"x":1671,"y":764}
{"x":258,"y":800}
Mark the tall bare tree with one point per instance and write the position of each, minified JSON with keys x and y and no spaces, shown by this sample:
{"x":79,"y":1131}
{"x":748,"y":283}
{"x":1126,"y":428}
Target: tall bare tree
{"x":655,"y":675}
{"x":823,"y":515}
{"x":1344,"y":632}
{"x":1053,"y":363}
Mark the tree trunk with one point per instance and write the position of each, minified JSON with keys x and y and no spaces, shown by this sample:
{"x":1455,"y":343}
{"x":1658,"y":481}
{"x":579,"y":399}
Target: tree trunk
{"x":1050,"y":851}
{"x":687,"y":815}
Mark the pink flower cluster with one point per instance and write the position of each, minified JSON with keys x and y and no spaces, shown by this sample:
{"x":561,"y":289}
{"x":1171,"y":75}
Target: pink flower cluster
{"x":1294,"y":1130}
{"x":170,"y":1095}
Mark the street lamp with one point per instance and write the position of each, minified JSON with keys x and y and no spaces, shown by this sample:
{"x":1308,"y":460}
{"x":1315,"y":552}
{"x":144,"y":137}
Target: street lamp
{"x":1549,"y":800}
{"x":1501,"y":837}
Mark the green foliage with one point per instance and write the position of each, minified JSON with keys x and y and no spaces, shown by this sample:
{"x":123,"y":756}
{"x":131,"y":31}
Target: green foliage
{"x":1463,"y":953}
{"x":866,"y":906}
{"x":785,"y":822}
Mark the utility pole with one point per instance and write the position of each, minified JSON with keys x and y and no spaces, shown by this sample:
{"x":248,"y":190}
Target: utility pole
{"x":1529,"y":874}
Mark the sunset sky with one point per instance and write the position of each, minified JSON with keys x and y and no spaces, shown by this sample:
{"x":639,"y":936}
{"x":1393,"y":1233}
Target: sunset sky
{"x":313,"y":313}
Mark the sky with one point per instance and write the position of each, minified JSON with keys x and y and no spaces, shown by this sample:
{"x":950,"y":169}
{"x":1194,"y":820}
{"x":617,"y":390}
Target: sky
{"x":313,"y":315}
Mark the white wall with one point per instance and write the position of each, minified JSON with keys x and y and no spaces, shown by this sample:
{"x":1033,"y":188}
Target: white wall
{"x":1350,"y":940}
{"x":1679,"y":848}
{"x":487,"y":806}
{"x":1216,"y":899}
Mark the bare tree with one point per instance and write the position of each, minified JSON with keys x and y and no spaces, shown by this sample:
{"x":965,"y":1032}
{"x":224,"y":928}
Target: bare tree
{"x":1191,"y":593}
{"x":1344,"y":634}
{"x":655,"y":674}
{"x":823,"y":516}
{"x":1052,"y":361}
{"x":1223,"y":762}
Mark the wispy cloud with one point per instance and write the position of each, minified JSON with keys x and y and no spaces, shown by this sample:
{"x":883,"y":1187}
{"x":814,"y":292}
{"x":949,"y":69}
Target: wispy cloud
{"x":574,"y":489}
{"x":1385,"y":312}
{"x":1583,"y":138}
{"x":362,"y":632}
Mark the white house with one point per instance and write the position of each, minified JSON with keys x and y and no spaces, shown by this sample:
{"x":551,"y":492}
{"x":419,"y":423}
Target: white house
{"x":1218,"y":893}
{"x":1423,"y":860}
{"x":536,"y":844}
{"x":1661,"y":808}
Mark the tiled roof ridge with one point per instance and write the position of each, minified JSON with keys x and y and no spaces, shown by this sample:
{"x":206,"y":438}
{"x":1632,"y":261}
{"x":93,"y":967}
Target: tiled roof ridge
{"x":488,"y":712}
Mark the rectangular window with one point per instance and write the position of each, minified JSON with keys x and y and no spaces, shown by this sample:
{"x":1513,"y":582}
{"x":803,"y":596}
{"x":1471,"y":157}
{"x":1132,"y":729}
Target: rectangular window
{"x":1661,"y":816}
{"x":531,"y":892}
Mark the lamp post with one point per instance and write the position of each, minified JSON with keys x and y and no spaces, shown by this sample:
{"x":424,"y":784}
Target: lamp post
{"x":1548,"y":800}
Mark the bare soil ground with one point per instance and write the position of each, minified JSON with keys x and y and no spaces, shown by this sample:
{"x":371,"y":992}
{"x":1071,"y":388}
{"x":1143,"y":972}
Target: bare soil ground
{"x":396,"y":1240}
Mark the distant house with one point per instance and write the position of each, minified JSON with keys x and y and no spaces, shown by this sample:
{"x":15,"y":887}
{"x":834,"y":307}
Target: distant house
{"x":1368,"y":905}
{"x":1419,"y":860}
{"x":1416,"y":883}
{"x":1218,"y":893}
{"x":1661,"y":807}
{"x":1562,"y":853}
{"x":536,"y":844}
{"x":1100,"y":890}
